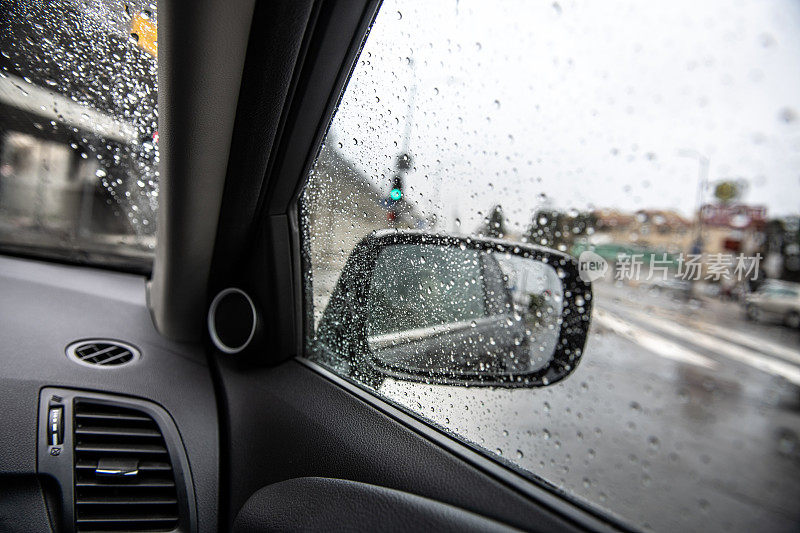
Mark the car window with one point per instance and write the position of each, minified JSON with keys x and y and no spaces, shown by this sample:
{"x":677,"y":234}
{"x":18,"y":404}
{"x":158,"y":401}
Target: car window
{"x":496,"y":285}
{"x":79,"y":130}
{"x":657,"y":144}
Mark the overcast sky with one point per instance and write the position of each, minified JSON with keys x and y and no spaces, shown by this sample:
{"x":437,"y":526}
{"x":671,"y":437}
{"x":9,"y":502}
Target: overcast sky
{"x":578,"y":104}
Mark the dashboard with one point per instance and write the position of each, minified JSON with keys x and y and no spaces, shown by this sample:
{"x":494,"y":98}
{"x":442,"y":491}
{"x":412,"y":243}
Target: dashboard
{"x":164,"y":393}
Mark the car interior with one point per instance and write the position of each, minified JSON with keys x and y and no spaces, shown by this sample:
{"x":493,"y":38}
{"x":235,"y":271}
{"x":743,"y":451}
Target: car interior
{"x":109,"y":378}
{"x":399,"y":265}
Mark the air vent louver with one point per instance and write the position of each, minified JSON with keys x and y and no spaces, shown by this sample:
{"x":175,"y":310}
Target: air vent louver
{"x":123,"y":473}
{"x":102,"y":352}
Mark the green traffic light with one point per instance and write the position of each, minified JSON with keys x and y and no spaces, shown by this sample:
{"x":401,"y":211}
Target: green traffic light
{"x":396,"y":194}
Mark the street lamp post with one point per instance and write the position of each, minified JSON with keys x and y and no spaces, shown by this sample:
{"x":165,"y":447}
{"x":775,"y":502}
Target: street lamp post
{"x":404,"y":160}
{"x":702,"y":184}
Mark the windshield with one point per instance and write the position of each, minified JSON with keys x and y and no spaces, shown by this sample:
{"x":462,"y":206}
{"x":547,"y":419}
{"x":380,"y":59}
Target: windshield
{"x":79,"y":130}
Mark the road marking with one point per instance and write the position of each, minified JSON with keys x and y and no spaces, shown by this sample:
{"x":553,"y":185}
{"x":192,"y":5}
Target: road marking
{"x":760,"y":344}
{"x":757,"y":343}
{"x":651,"y":341}
{"x":734,"y":351}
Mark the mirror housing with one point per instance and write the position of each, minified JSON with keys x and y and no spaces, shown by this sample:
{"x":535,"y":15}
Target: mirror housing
{"x":346,"y":331}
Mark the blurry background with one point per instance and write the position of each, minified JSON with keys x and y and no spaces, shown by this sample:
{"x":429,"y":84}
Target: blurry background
{"x":78,"y":129}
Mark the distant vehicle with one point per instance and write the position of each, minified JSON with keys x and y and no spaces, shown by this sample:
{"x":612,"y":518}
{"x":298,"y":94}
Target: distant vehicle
{"x":676,"y":288}
{"x":775,"y":301}
{"x":713,"y":290}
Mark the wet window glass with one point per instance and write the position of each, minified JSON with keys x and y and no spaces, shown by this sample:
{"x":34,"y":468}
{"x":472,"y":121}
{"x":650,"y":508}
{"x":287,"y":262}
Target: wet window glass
{"x":79,"y":130}
{"x":568,"y":233}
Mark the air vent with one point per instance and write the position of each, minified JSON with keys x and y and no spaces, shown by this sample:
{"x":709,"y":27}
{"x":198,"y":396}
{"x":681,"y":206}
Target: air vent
{"x":105,"y":353}
{"x":123,"y":473}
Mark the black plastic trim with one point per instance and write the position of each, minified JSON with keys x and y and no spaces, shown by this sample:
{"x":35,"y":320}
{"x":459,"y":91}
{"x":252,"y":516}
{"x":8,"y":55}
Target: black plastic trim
{"x":333,"y":41}
{"x":314,"y":503}
{"x":60,"y":465}
{"x":202,"y":48}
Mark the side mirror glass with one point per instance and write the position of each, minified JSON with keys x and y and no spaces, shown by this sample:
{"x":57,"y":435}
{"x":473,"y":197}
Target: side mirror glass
{"x":440,"y":309}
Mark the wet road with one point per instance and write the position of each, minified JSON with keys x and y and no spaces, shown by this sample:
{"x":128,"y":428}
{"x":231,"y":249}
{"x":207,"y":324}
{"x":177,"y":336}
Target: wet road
{"x":680,"y":417}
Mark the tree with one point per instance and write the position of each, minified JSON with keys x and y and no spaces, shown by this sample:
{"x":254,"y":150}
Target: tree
{"x":727,"y":191}
{"x":547,"y":228}
{"x":555,"y":229}
{"x":782,"y":239}
{"x":495,"y":223}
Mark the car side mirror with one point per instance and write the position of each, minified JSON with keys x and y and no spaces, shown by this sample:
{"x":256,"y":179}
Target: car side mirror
{"x":463,"y":311}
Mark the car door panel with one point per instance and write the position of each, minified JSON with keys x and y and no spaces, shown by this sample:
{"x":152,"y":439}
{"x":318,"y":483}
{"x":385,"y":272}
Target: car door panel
{"x":313,"y":504}
{"x":291,"y":422}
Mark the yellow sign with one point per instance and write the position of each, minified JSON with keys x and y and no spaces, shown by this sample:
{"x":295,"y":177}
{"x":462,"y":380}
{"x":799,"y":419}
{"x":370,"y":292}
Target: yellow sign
{"x":143,"y":30}
{"x":725,"y":191}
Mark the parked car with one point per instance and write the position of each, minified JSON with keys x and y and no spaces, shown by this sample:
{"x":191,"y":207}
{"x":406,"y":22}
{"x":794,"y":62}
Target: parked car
{"x":775,"y":301}
{"x":675,"y":288}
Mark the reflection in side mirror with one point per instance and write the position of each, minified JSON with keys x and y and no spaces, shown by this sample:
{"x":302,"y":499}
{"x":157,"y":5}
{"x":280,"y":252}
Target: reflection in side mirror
{"x":450,"y":310}
{"x":440,"y":309}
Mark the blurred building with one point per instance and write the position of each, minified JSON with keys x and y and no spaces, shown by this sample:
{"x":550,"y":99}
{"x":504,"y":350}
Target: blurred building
{"x":47,"y":178}
{"x":344,"y":206}
{"x":341,"y":207}
{"x":78,"y":161}
{"x":656,"y":229}
{"x":733,"y":228}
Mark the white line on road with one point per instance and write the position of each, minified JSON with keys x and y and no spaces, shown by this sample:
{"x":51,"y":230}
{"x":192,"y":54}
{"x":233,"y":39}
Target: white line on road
{"x":757,"y":343}
{"x":652,"y":342}
{"x":728,"y":349}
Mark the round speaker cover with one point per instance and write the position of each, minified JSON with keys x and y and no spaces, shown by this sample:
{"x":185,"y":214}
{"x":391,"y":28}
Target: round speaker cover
{"x":232,"y":320}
